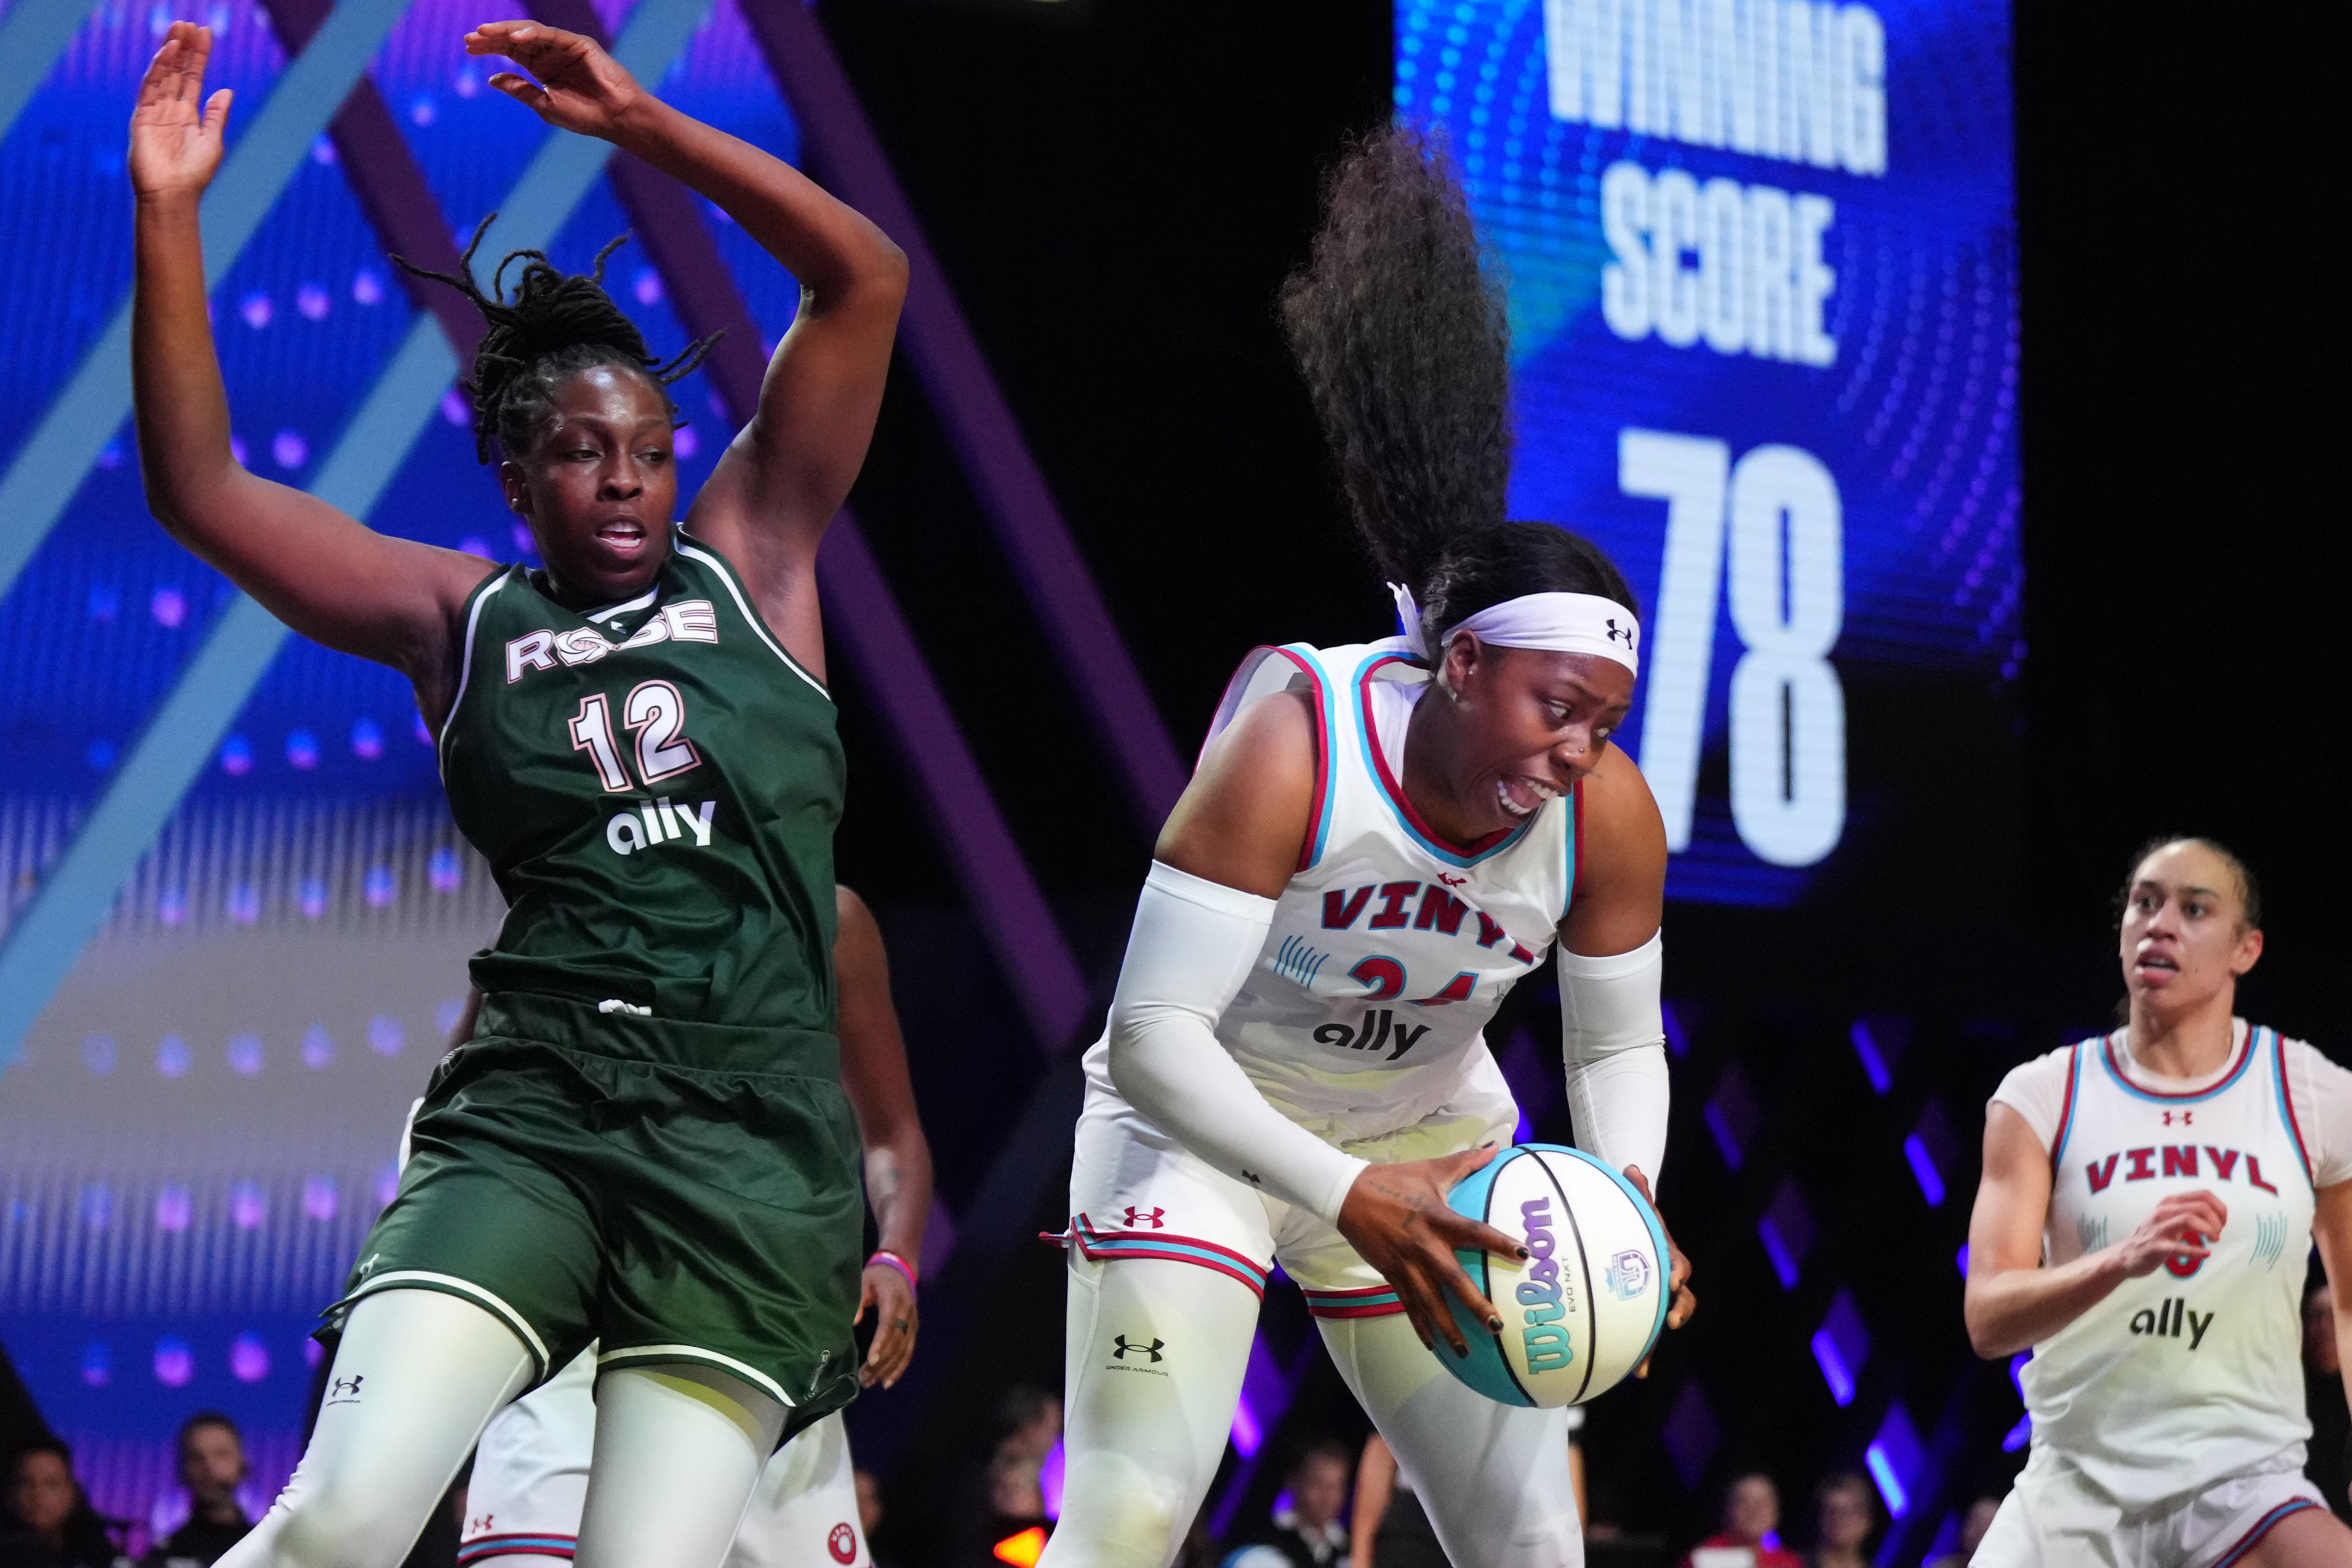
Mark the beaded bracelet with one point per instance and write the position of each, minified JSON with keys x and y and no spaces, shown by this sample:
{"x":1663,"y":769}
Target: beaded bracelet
{"x":893,"y":1260}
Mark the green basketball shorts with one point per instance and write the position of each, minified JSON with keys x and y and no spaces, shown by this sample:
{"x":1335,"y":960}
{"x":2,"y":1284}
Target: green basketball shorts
{"x":678,"y":1192}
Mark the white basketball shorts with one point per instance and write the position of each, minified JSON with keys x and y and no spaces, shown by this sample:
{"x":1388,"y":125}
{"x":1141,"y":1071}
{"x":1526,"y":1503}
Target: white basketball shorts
{"x":1135,"y":1192}
{"x":531,"y":1478}
{"x":2054,"y":1519}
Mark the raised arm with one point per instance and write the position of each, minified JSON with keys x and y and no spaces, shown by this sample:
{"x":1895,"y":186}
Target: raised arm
{"x":2011,"y":1300}
{"x":318,"y":570}
{"x":898,"y":1157}
{"x":767,"y":504}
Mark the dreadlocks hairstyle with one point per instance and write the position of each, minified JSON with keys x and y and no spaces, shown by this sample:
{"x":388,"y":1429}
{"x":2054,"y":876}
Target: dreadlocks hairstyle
{"x":557,"y":324}
{"x":1405,"y":349}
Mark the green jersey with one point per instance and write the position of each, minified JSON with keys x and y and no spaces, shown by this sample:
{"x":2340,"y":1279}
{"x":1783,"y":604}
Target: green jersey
{"x":656,"y":786}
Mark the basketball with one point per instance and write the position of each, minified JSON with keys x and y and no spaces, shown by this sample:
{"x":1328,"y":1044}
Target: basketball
{"x":1584,"y":1310}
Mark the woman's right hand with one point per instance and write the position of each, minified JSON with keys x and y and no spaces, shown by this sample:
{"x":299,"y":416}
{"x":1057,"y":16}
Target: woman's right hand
{"x":2185,"y":1224}
{"x":1397,"y":1219}
{"x":176,"y":132}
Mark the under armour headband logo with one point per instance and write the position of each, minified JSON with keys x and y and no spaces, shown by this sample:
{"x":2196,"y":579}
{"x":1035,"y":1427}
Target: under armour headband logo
{"x":1629,"y":632}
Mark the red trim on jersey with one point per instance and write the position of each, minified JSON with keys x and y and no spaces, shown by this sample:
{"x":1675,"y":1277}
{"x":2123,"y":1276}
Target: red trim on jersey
{"x":2263,"y":1526}
{"x":1322,"y":762}
{"x":1322,"y":742}
{"x":521,"y":1542}
{"x":2238,"y":1059}
{"x":2287,"y":1100}
{"x":1365,"y":1301}
{"x":2066,"y":1110}
{"x":1083,"y":1235}
{"x":1388,"y":780}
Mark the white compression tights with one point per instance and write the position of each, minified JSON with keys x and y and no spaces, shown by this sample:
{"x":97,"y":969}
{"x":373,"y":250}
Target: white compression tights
{"x":1142,"y":1439}
{"x":417,"y":1376}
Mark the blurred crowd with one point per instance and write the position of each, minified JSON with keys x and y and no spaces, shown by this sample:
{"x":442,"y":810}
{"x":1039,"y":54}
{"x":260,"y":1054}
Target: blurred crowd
{"x":1339,"y":1505}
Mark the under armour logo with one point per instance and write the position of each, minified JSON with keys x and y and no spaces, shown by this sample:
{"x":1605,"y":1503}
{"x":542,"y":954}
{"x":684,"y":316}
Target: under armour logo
{"x":1625,"y":634}
{"x":346,"y":1387}
{"x":1151,"y":1350}
{"x":1453,"y":881}
{"x":2184,"y":1118}
{"x":1156,"y":1218}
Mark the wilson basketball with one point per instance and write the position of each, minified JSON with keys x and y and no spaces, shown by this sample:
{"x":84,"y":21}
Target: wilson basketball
{"x":1582,"y":1312}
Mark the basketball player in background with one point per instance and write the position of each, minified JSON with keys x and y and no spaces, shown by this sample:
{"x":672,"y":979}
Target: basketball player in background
{"x":1380,"y":841}
{"x":2148,"y":1201}
{"x":531,"y":1473}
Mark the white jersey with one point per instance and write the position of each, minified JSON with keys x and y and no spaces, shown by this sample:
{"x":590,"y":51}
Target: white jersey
{"x":2194,"y":1374}
{"x":1390,"y":949}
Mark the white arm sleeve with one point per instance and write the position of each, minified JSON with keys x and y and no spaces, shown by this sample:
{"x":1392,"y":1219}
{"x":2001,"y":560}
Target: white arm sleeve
{"x":1613,"y":1037}
{"x":1193,"y":943}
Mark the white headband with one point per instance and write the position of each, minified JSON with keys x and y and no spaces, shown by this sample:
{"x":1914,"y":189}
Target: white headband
{"x":1559,"y":623}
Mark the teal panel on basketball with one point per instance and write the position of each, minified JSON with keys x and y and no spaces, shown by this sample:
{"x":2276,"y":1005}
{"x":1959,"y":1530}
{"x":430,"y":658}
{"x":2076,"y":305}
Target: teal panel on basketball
{"x":1486,"y":1368}
{"x":1586,"y":1306}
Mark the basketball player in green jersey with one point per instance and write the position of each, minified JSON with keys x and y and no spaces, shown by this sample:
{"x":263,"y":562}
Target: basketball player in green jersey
{"x":646,"y":1143}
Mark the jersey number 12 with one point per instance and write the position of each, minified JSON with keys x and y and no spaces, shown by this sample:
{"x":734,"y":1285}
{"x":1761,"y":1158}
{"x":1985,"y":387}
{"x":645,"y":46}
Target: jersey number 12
{"x":655,"y":713}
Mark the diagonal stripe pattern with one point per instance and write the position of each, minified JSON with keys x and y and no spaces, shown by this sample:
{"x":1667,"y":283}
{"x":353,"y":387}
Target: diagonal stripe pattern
{"x":50,"y":466}
{"x":73,"y":901}
{"x":36,"y":33}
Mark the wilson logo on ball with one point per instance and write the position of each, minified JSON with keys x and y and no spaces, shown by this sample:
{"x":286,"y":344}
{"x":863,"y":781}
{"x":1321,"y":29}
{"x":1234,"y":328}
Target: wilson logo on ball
{"x":1548,"y":1347}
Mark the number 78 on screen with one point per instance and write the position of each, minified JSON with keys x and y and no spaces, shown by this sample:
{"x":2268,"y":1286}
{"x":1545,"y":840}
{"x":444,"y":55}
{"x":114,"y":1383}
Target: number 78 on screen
{"x":1777,"y":510}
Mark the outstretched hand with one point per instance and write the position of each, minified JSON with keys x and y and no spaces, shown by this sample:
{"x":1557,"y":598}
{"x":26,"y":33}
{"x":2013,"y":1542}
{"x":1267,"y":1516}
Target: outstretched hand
{"x":580,"y":87}
{"x":176,"y":131}
{"x":1399,"y":1222}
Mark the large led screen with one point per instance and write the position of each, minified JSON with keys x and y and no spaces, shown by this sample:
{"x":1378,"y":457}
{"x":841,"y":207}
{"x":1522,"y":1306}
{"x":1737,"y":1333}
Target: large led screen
{"x":1761,"y":280}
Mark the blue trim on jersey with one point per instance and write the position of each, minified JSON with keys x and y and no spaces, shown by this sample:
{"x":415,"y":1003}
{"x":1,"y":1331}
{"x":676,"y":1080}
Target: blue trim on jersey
{"x":1373,"y":768}
{"x":1574,"y":838}
{"x":1323,"y":695}
{"x":2286,"y":1109}
{"x":1114,"y":1245}
{"x":2262,"y":1527}
{"x":491,"y":1546}
{"x":2066,"y":1117}
{"x":2245,"y":1060}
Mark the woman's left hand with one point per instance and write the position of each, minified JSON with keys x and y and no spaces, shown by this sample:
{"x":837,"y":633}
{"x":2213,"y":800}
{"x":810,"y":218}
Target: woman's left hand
{"x":580,"y":88}
{"x":884,"y":1290}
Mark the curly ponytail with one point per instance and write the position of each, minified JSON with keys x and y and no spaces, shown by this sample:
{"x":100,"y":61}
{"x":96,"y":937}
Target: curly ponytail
{"x":1404,"y":346}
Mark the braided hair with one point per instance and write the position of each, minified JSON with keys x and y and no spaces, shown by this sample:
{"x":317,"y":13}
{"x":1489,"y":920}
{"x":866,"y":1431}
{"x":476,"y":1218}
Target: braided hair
{"x":557,"y":326}
{"x":1403,"y":342}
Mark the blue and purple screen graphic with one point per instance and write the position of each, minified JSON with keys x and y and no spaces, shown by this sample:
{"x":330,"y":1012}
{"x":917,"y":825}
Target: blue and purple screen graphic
{"x":1762,"y":288}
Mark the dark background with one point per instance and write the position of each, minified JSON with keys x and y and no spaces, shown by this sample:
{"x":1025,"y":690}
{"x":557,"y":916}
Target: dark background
{"x":1116,"y":191}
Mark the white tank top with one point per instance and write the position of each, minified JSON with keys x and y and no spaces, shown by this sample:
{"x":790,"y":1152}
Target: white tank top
{"x":1390,"y":949}
{"x":2183,"y":1378}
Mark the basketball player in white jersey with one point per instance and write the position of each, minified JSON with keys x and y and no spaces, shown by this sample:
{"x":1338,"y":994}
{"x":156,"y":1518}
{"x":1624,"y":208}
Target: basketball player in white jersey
{"x":1380,"y":841}
{"x":530,"y":1472}
{"x":2149,"y":1201}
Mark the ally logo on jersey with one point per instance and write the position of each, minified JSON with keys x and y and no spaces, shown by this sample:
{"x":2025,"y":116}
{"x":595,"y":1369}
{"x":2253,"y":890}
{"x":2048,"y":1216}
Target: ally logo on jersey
{"x":1402,"y":906}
